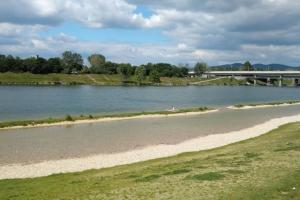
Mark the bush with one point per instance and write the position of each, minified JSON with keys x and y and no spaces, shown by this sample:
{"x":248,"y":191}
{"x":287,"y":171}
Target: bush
{"x":69,"y":118}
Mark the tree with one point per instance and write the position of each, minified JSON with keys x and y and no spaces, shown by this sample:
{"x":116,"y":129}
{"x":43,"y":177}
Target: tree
{"x":41,"y":66}
{"x":97,"y":62}
{"x":29,"y":64}
{"x":247,"y":66}
{"x":72,"y":62}
{"x":125,"y":70}
{"x":140,"y":73}
{"x":154,"y":76}
{"x":55,"y":65}
{"x":184,"y":71}
{"x":3,"y":64}
{"x":111,"y":68}
{"x":200,"y":68}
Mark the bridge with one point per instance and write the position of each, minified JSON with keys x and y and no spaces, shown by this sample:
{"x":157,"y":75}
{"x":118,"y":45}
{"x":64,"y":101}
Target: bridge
{"x":267,"y":76}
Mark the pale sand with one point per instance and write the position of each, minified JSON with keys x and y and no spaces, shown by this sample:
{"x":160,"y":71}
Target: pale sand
{"x":108,"y":119}
{"x":262,"y":106}
{"x":152,"y":152}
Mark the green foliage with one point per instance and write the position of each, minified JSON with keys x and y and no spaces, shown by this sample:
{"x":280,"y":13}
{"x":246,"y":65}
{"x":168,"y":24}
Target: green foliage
{"x":125,"y":70}
{"x":69,"y":118}
{"x":140,"y":74}
{"x":154,"y":76}
{"x":97,"y":62}
{"x":72,"y":62}
{"x":247,"y":66}
{"x":200,"y":68}
{"x":166,"y":70}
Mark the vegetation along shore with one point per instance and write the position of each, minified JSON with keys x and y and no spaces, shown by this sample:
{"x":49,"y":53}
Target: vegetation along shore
{"x":68,"y":119}
{"x":10,"y":78}
{"x":268,"y":104}
{"x":70,"y":69}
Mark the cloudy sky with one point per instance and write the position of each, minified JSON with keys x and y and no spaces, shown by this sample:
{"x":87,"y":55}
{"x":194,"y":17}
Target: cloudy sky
{"x":140,"y":31}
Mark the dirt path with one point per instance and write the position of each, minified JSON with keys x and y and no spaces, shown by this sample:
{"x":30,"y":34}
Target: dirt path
{"x":195,"y":83}
{"x":94,"y":80}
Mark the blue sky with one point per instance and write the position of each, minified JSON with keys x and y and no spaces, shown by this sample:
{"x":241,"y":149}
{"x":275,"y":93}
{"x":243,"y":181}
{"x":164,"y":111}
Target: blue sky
{"x":108,"y":34}
{"x":141,"y":31}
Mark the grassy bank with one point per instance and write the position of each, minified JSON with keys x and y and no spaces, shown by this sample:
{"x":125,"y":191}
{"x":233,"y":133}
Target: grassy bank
{"x":267,"y":167}
{"x":276,"y":103}
{"x":69,"y":118}
{"x":58,"y":79}
{"x":222,"y":81}
{"x":103,"y":79}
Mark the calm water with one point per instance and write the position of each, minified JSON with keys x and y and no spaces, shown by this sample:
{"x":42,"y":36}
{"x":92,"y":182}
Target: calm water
{"x":58,"y":142}
{"x":26,"y":102}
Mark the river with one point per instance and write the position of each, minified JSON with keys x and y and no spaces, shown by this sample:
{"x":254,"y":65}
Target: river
{"x":32,"y":102}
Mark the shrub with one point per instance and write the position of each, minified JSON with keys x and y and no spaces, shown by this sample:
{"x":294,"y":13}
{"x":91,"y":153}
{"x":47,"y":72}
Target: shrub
{"x":69,"y":118}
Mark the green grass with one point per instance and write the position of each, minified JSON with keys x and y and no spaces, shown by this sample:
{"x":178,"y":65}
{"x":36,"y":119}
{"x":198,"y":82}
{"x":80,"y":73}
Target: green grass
{"x":276,"y":103}
{"x":179,"y":81}
{"x":58,"y":79}
{"x":223,"y":82}
{"x":266,"y":167}
{"x":102,"y":79}
{"x":86,"y":117}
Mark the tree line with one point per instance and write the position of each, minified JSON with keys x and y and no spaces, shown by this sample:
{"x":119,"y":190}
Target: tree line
{"x":73,"y":63}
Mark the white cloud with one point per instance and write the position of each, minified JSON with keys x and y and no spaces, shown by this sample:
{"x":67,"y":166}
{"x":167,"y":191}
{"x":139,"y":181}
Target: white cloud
{"x":216,"y":31}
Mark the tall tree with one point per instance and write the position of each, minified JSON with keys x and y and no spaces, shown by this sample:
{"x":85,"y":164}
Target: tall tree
{"x":140,"y":74}
{"x":154,"y":76}
{"x":72,"y":61}
{"x":55,"y":65}
{"x":200,"y":68}
{"x":125,"y":70}
{"x":247,"y":66}
{"x":3,"y":65}
{"x":97,"y":62}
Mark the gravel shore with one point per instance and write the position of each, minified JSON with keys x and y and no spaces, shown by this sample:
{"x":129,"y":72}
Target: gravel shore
{"x":152,"y":152}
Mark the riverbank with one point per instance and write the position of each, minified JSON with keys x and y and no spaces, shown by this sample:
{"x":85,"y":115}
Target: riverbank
{"x":264,"y":105}
{"x":265,"y":167}
{"x":106,"y":80}
{"x":72,"y":120}
{"x":152,"y":152}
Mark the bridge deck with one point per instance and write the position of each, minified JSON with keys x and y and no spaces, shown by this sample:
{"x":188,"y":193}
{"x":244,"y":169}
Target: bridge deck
{"x":255,"y":73}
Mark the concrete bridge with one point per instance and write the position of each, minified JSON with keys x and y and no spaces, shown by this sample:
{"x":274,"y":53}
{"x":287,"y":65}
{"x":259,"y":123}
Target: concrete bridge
{"x":267,"y":76}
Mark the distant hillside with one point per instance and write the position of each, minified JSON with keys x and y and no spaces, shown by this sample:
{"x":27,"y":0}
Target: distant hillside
{"x":263,"y":67}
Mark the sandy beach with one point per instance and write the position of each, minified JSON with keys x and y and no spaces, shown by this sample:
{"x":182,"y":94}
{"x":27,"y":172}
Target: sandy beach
{"x":151,"y":152}
{"x":108,"y":119}
{"x":262,"y":106}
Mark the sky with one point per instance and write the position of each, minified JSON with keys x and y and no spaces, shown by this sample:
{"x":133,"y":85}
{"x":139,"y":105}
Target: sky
{"x":142,"y":31}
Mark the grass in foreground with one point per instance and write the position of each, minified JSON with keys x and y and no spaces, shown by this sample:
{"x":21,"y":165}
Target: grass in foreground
{"x":87,"y":117}
{"x":276,"y":103}
{"x":267,"y":167}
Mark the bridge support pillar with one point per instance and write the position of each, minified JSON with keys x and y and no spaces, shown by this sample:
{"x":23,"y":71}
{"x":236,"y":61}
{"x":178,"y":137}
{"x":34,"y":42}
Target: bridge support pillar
{"x":280,"y":81}
{"x":255,"y":80}
{"x":268,"y":81}
{"x":295,"y":82}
